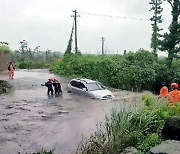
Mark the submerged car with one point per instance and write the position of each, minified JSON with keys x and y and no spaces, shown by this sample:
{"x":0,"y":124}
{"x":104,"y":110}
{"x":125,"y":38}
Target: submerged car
{"x":89,"y":88}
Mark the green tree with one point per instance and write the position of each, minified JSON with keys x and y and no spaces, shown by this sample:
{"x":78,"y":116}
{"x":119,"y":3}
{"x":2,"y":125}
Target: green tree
{"x":4,"y":48}
{"x":156,"y":19}
{"x":171,"y":40}
{"x":4,"y":43}
{"x":26,"y":52}
{"x":69,"y":46}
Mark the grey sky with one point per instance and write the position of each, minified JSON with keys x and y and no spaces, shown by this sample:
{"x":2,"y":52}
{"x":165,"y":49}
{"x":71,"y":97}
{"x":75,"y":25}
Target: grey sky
{"x":48,"y":23}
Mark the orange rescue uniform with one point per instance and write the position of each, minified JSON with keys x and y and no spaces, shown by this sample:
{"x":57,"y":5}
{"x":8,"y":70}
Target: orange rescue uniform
{"x":11,"y":72}
{"x":174,"y":96}
{"x":164,"y":92}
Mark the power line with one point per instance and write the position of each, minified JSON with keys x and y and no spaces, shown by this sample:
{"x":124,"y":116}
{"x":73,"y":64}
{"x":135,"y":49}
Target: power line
{"x":116,"y":17}
{"x":111,"y":16}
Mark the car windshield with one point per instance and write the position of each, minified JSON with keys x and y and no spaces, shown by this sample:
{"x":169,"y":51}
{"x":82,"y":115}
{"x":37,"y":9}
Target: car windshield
{"x":95,"y":86}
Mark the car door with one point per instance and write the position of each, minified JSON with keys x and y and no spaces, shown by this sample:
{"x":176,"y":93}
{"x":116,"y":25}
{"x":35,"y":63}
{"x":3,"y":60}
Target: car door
{"x":71,"y":86}
{"x":83,"y":89}
{"x":76,"y":87}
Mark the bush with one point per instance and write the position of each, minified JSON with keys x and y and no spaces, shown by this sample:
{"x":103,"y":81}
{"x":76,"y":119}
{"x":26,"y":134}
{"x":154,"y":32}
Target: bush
{"x":4,"y":49}
{"x":130,"y":127}
{"x":32,"y":65}
{"x":134,"y":71}
{"x":150,"y":141}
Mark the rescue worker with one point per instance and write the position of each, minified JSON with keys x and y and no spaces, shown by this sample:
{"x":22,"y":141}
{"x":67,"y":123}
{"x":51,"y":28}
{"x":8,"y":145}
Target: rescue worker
{"x":164,"y":92}
{"x":57,"y":86}
{"x":11,"y":69}
{"x":174,"y":94}
{"x":49,"y":85}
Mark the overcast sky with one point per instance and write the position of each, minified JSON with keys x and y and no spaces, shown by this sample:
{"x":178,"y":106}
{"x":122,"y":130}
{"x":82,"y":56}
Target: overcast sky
{"x":48,"y":23}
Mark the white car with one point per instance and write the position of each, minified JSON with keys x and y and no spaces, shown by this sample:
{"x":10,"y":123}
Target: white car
{"x":89,"y":88}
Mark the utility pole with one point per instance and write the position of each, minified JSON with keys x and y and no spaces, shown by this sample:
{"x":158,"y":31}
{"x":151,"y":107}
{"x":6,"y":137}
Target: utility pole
{"x":103,"y":39}
{"x":47,"y":54}
{"x":75,"y":24}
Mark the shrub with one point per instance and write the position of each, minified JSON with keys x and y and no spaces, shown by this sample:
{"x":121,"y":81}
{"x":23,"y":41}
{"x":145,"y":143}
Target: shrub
{"x":24,"y":64}
{"x":4,"y":49}
{"x":134,"y":71}
{"x":150,"y":141}
{"x":32,"y":64}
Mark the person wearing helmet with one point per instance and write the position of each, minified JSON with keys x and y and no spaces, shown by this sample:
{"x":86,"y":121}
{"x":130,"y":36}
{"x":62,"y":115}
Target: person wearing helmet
{"x":174,"y":94}
{"x":49,"y":84}
{"x":57,"y":86}
{"x":164,"y":92}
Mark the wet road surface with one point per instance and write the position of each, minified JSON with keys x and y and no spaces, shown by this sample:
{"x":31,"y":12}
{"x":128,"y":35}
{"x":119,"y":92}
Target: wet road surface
{"x":30,"y":120}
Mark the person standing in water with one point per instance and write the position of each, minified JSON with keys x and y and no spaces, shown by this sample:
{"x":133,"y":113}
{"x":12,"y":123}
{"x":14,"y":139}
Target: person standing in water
{"x":49,"y":85}
{"x":11,"y":69}
{"x":57,"y":86}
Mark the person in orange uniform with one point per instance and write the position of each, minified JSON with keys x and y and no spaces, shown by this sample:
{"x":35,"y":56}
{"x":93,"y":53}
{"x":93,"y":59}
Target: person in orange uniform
{"x":164,"y":92}
{"x":174,"y":94}
{"x":57,"y":86}
{"x":11,"y":70}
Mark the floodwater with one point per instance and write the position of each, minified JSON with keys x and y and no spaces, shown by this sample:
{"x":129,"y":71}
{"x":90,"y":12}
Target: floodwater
{"x":31,"y":120}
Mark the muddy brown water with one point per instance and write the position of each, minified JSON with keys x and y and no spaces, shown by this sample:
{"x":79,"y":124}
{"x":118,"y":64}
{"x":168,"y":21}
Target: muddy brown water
{"x":30,"y":120}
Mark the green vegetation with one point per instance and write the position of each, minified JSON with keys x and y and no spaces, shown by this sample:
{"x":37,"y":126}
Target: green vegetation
{"x":156,"y":19}
{"x":133,"y":71}
{"x":140,"y":128}
{"x":32,"y":64}
{"x":170,"y":42}
{"x":4,"y":49}
{"x":27,"y":58}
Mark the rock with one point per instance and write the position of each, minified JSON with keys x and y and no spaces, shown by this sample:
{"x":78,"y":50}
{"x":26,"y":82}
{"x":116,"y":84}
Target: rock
{"x":4,"y":87}
{"x":130,"y":150}
{"x":167,"y":147}
{"x":171,"y":129}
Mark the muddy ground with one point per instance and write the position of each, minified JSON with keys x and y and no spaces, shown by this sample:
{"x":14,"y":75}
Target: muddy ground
{"x":30,"y":120}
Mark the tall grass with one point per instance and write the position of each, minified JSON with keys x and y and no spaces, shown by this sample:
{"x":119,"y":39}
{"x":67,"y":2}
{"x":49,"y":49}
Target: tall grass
{"x":129,"y":127}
